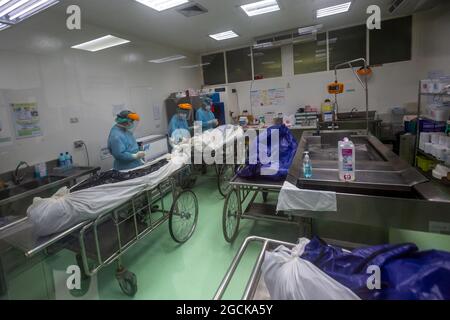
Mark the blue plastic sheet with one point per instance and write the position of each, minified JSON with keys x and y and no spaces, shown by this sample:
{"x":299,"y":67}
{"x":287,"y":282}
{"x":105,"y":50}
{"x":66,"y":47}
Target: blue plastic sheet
{"x":406,"y":273}
{"x":287,"y":146}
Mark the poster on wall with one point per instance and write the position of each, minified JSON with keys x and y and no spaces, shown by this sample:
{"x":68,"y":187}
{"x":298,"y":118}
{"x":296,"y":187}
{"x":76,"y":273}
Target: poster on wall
{"x":26,"y":120}
{"x":268,"y":98}
{"x":5,"y":130}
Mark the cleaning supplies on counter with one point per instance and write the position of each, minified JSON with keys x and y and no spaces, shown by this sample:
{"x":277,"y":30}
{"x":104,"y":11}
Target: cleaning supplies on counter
{"x":327,"y":111}
{"x":65,"y":161}
{"x":307,"y":166}
{"x":347,"y":160}
{"x":40,"y":170}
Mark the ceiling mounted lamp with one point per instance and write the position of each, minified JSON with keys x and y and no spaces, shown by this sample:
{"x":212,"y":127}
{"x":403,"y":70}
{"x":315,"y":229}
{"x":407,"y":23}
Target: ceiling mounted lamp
{"x":261,"y":7}
{"x":161,"y":5}
{"x":15,"y":11}
{"x":329,"y":11}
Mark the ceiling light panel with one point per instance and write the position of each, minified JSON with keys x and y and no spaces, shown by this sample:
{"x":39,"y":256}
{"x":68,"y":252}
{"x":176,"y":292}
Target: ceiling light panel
{"x":161,"y":5}
{"x":261,"y":7}
{"x":224,"y":35}
{"x":169,"y":59}
{"x":14,"y":11}
{"x":3,"y":26}
{"x":101,"y":43}
{"x":329,"y":11}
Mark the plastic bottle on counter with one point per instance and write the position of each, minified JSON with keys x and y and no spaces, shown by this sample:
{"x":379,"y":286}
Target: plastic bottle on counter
{"x":307,"y":166}
{"x":61,"y":160}
{"x":69,"y":161}
{"x":347,"y":160}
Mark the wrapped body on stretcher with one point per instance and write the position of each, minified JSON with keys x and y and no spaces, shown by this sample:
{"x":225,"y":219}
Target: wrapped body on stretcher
{"x":85,"y":202}
{"x":313,"y":270}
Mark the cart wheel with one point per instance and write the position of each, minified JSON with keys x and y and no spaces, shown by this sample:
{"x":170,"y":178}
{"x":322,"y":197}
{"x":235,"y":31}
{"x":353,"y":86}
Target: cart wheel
{"x":183,"y":216}
{"x":231,"y":216}
{"x":226,"y":174}
{"x":127,"y":282}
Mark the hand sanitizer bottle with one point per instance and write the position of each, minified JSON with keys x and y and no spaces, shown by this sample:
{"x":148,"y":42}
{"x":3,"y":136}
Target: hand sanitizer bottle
{"x":347,"y":171}
{"x":307,"y":166}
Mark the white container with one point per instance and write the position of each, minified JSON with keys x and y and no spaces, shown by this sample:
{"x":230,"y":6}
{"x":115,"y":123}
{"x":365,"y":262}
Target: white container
{"x":428,"y":147}
{"x":425,"y":137}
{"x":438,"y":112}
{"x":347,"y":160}
{"x":427,"y":86}
{"x":440,"y":152}
{"x":443,"y":141}
{"x":435,"y":137}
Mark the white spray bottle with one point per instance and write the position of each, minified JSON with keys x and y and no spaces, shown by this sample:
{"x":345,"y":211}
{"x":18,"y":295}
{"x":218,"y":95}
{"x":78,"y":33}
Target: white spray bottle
{"x":347,"y":160}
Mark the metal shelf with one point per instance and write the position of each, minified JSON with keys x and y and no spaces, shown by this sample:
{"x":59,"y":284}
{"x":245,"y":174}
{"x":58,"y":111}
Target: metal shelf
{"x":423,"y":153}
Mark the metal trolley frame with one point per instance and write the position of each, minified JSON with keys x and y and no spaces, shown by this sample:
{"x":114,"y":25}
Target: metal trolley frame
{"x":241,"y":203}
{"x":106,"y":239}
{"x":254,"y":285}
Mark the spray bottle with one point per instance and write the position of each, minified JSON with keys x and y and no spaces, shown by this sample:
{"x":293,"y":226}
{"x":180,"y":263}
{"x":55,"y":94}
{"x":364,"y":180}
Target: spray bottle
{"x":347,"y":160}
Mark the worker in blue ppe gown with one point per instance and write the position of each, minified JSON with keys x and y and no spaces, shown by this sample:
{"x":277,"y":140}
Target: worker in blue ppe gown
{"x":178,"y":125}
{"x":205,"y":115}
{"x":122,"y":143}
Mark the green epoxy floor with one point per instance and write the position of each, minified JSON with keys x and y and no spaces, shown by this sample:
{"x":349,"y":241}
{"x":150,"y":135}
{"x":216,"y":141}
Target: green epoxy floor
{"x":194,"y":270}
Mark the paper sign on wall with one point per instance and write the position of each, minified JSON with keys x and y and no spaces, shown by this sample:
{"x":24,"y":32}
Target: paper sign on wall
{"x":268,"y":98}
{"x":26,"y":120}
{"x":5,"y":130}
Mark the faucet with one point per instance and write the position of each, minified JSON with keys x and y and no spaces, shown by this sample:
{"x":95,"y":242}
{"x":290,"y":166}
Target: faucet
{"x":351,"y":112}
{"x":17,"y":180}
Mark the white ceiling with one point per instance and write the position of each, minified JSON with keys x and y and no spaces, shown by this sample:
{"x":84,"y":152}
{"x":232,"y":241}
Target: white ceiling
{"x":128,"y":17}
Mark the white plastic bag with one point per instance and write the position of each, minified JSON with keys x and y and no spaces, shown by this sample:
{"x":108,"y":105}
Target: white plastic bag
{"x":288,"y":277}
{"x":292,"y":198}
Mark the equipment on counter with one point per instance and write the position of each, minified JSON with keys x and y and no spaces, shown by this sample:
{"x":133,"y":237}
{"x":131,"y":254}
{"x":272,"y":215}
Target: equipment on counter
{"x":347,"y":160}
{"x":336,"y":88}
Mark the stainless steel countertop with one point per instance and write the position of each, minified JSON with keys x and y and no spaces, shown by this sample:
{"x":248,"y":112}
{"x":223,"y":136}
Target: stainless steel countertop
{"x":379,"y":171}
{"x":65,"y":177}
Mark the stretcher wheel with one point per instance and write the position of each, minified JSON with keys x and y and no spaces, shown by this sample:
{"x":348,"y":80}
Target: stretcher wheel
{"x":183,"y":216}
{"x":127,"y":282}
{"x":226,"y":173}
{"x":231,"y":216}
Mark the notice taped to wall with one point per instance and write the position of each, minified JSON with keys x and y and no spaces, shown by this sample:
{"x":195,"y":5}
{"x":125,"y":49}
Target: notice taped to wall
{"x":268,"y":98}
{"x":5,"y":130}
{"x":26,"y":120}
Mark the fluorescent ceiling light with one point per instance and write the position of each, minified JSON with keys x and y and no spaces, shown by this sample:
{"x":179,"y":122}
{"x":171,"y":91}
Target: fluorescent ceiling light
{"x":340,"y":8}
{"x":101,"y":43}
{"x":168,"y":59}
{"x":3,"y":26}
{"x":14,"y":11}
{"x":195,"y":66}
{"x":224,"y":35}
{"x":161,"y":5}
{"x":261,"y":7}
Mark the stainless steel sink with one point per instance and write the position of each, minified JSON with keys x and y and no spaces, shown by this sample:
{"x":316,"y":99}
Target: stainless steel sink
{"x":378,"y":170}
{"x":325,"y":146}
{"x":349,"y":116}
{"x":14,"y":190}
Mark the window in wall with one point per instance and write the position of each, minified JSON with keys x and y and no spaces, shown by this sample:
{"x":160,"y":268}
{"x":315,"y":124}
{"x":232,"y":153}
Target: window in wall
{"x":311,"y":56}
{"x":347,"y":44}
{"x":393,"y":42}
{"x":213,"y":69}
{"x":239,"y":65}
{"x":267,"y":63}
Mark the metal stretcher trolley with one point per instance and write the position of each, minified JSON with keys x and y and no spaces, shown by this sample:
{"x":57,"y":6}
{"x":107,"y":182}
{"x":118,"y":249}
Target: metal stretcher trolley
{"x":105,"y":240}
{"x":242,"y":203}
{"x":255,"y":288}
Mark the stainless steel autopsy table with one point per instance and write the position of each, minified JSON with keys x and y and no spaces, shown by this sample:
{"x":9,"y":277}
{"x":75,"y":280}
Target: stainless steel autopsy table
{"x":387,"y":193}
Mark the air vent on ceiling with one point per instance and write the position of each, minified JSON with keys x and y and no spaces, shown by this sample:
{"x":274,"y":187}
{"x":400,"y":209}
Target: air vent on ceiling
{"x":395,"y":4}
{"x":192,"y":9}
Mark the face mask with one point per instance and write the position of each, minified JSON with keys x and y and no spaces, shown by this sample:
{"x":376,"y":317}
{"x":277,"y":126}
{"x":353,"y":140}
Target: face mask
{"x":208,"y":108}
{"x":182,"y":116}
